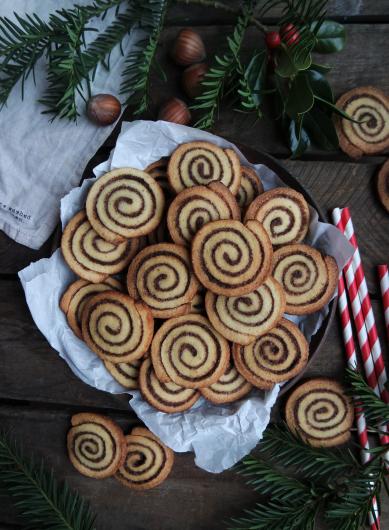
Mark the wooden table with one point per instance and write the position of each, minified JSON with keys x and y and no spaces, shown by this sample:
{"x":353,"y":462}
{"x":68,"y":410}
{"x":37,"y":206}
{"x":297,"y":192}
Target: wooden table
{"x":39,"y":393}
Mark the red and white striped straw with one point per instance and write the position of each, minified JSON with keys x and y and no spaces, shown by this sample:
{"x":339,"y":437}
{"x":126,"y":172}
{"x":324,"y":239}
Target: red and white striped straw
{"x":366,"y":306}
{"x":383,"y":276}
{"x":352,"y":363}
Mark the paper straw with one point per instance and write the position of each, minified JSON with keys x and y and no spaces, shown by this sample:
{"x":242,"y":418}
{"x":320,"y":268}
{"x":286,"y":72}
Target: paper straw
{"x":383,"y":276}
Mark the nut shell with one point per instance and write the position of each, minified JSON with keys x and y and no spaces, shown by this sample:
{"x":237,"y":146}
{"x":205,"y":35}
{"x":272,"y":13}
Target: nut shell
{"x":175,"y":111}
{"x":192,"y":78}
{"x":103,"y":109}
{"x":188,"y":48}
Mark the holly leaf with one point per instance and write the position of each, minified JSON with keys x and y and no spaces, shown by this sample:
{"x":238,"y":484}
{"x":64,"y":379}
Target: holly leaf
{"x":285,"y":65}
{"x":298,"y":138}
{"x":321,"y":129}
{"x":321,"y":68}
{"x":330,"y":38}
{"x":336,"y":109}
{"x":255,"y":76}
{"x":319,"y":85}
{"x":300,"y":97}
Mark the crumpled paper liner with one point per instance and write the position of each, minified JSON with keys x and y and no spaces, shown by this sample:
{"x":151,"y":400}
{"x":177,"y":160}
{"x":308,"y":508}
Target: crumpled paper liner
{"x":219,"y":435}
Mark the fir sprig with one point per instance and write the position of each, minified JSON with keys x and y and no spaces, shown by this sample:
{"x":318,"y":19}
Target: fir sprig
{"x":38,"y":496}
{"x":375,"y":410}
{"x":220,"y":74}
{"x":139,"y":64}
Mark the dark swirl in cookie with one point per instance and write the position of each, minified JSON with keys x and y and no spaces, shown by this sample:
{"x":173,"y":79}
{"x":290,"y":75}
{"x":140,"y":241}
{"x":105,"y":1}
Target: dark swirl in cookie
{"x":161,"y":275}
{"x":90,"y":256}
{"x":309,"y":279}
{"x":189,"y":351}
{"x":125,"y":203}
{"x":194,"y":207}
{"x":116,"y":327}
{"x":158,"y":170}
{"x":125,"y":373}
{"x":284,"y":214}
{"x":200,"y":163}
{"x":250,"y":187}
{"x":274,"y":357}
{"x":231,"y":258}
{"x":166,"y":397}
{"x":230,"y":387}
{"x":243,"y":318}
{"x":368,"y":132}
{"x":96,"y":445}
{"x":320,"y":412}
{"x":148,"y":461}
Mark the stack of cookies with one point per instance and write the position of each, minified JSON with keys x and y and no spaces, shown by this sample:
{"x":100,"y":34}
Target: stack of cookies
{"x":212,"y":263}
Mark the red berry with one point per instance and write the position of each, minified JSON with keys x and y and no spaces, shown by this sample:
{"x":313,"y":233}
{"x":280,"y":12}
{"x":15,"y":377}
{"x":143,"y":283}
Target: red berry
{"x":290,"y":34}
{"x":273,"y":39}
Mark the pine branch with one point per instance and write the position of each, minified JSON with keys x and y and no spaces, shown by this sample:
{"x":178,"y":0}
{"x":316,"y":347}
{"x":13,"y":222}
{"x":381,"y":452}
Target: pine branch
{"x":216,"y":78}
{"x":375,"y":410}
{"x":139,"y":64}
{"x":46,"y":504}
{"x":313,"y":462}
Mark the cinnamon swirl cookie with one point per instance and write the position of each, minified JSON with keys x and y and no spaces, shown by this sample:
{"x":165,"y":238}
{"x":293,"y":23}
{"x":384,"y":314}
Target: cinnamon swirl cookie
{"x":158,"y":170}
{"x":274,"y":357}
{"x":96,"y":445}
{"x":284,"y":214}
{"x":230,"y":387}
{"x":383,"y":185}
{"x":369,"y":133}
{"x":148,"y":461}
{"x":200,"y":163}
{"x":189,"y":351}
{"x":90,"y":256}
{"x":231,"y":258}
{"x":75,"y":296}
{"x":125,"y":203}
{"x":194,"y":207}
{"x":166,"y":397}
{"x":320,"y":413}
{"x":309,"y":279}
{"x":125,"y":373}
{"x":250,"y":187}
{"x":161,"y":276}
{"x":242,"y":318}
{"x":117,"y":328}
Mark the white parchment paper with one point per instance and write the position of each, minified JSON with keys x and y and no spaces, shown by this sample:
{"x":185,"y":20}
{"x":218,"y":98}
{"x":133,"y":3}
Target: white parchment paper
{"x":219,"y":435}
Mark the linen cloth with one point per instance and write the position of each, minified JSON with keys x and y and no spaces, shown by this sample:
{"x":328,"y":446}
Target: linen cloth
{"x":41,"y":161}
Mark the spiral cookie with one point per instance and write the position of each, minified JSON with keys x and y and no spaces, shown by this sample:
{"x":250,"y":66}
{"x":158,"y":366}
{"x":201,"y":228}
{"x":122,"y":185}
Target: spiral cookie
{"x":125,"y":373}
{"x":250,"y":187}
{"x":383,"y":185}
{"x":117,"y":328}
{"x":230,"y":387}
{"x":75,"y":296}
{"x":90,"y":256}
{"x":161,"y":276}
{"x":308,"y":278}
{"x":189,"y":352}
{"x":166,"y":397}
{"x":147,"y":463}
{"x":242,"y":318}
{"x":231,"y":258}
{"x":194,"y":207}
{"x":284,"y":214}
{"x":274,"y":357}
{"x":96,"y":445}
{"x":158,"y":170}
{"x":320,"y":412}
{"x":370,"y":107}
{"x":125,"y":203}
{"x":199,"y":163}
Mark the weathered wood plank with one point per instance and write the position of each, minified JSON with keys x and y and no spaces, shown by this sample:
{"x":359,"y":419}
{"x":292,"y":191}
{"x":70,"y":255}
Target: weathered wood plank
{"x":338,"y":9}
{"x":356,"y":65}
{"x":31,"y":371}
{"x":189,"y":499}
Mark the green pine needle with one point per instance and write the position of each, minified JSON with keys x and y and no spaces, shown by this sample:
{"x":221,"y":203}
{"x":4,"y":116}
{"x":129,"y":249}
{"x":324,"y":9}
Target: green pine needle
{"x":375,"y":410}
{"x":38,"y":496}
